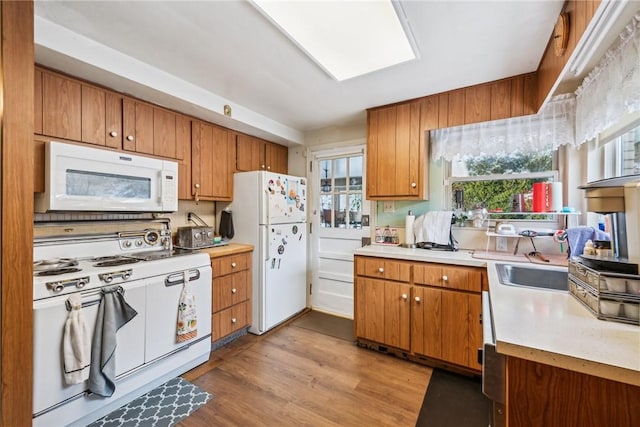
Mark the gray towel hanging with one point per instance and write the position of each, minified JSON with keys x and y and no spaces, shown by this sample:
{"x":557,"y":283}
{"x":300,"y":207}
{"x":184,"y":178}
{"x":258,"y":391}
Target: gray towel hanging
{"x":226,"y":225}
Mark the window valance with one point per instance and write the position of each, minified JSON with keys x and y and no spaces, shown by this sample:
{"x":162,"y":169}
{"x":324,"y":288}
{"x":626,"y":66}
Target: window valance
{"x":552,"y":127}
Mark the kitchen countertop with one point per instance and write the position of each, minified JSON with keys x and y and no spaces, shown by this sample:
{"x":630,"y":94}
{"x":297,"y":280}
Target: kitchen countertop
{"x":230,"y":249}
{"x":545,"y":326}
{"x":461,"y":257}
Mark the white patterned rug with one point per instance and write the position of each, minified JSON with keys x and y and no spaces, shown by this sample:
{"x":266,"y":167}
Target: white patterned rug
{"x":165,"y":405}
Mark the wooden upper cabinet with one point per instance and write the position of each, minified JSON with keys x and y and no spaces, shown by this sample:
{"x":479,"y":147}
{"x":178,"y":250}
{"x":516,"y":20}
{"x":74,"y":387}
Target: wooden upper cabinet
{"x":257,"y":154}
{"x":37,"y":102}
{"x":183,"y":147}
{"x":61,"y":107}
{"x":477,"y":106}
{"x":137,"y":126}
{"x":396,"y":153}
{"x":250,"y":154}
{"x":164,"y":133}
{"x":212,"y":156}
{"x":113,"y":120}
{"x":276,"y":158}
{"x":93,"y":115}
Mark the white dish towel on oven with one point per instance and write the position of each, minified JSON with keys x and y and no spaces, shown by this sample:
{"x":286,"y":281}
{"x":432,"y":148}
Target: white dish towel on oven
{"x":433,"y":227}
{"x":76,"y":344}
{"x":187,"y":327}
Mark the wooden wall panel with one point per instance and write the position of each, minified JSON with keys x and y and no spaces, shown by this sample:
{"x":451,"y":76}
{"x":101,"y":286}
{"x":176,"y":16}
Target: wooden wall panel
{"x":37,"y":101}
{"x":456,"y":107}
{"x":501,"y":99}
{"x":443,"y":110}
{"x":517,"y":96}
{"x":530,"y":94}
{"x":16,"y":292}
{"x":477,"y":104}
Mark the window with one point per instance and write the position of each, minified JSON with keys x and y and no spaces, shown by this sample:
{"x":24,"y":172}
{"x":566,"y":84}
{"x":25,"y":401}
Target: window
{"x":499,"y":182}
{"x":616,"y":156}
{"x":341,"y":192}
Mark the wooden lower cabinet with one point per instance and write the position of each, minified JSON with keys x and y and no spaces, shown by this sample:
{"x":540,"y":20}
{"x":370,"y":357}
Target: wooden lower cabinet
{"x":231,"y":294}
{"x":432,"y":321}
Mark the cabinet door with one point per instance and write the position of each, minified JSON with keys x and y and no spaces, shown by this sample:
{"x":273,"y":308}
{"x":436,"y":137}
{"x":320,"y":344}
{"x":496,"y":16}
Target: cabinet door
{"x":93,"y":115}
{"x":113,"y":120}
{"x":395,"y":152}
{"x":475,"y":330}
{"x":277,"y":158}
{"x":137,"y":124}
{"x":250,"y":153}
{"x":455,"y":327}
{"x":370,"y":309}
{"x":164,"y":133}
{"x":37,"y":102}
{"x":212,"y":157}
{"x":183,"y":145}
{"x":397,"y":315}
{"x":426,"y":318}
{"x":61,"y":105}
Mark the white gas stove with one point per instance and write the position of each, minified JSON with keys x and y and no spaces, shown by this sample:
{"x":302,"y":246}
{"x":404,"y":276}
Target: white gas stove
{"x":138,"y":258}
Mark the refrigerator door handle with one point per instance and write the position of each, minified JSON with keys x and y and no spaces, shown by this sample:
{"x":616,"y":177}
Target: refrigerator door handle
{"x":266,"y":240}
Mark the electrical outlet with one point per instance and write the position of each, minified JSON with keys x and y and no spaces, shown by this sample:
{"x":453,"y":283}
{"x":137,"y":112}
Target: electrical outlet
{"x":501,"y":244}
{"x":389,"y":207}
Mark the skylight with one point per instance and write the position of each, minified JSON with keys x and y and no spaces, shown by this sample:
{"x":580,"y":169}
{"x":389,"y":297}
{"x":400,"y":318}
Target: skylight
{"x":345,"y":38}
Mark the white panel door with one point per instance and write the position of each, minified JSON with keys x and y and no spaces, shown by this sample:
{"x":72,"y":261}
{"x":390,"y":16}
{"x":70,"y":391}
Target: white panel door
{"x":337,"y":186}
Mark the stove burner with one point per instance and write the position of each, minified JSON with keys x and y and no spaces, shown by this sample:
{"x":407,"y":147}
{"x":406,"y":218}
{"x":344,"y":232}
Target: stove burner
{"x":106,"y":258}
{"x":117,"y":261}
{"x":57,"y":271}
{"x":54,"y":264}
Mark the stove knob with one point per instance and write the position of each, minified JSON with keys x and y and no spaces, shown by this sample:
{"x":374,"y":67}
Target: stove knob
{"x":209,"y":233}
{"x":107,"y":278}
{"x":81,"y":283}
{"x":58,"y":287}
{"x":196,"y":236}
{"x":126,"y":275}
{"x":127,"y":243}
{"x":138,"y":243}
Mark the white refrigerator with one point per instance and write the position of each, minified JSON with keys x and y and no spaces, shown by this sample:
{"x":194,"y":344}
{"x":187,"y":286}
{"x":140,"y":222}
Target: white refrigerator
{"x":270,"y":212}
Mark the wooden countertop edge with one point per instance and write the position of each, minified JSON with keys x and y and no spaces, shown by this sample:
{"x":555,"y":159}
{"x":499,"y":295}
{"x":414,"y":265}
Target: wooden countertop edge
{"x":230,"y":249}
{"x":614,"y":373}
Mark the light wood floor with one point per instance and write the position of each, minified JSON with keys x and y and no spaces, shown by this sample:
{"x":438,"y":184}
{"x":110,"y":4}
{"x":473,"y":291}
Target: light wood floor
{"x":297,"y":377}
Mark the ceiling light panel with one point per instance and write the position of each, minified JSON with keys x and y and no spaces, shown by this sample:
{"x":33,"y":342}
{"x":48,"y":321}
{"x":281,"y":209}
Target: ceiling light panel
{"x":345,"y":38}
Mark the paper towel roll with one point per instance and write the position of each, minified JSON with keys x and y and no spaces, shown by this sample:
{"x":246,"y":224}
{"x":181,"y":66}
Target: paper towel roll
{"x":556,"y":196}
{"x":410,"y":238}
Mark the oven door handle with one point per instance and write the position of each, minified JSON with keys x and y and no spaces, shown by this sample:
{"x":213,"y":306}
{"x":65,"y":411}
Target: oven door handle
{"x":178,"y":278}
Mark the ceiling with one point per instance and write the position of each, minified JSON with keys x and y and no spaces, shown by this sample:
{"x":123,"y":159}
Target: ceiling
{"x":196,"y":57}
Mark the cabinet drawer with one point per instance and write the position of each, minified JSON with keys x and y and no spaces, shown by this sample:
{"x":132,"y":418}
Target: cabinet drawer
{"x":230,"y":290}
{"x":230,"y":264}
{"x":230,"y":320}
{"x":382,"y":268}
{"x":462,"y":278}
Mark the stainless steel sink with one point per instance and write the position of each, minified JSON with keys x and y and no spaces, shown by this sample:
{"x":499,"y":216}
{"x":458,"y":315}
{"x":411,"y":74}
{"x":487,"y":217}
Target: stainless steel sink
{"x":517,"y":275}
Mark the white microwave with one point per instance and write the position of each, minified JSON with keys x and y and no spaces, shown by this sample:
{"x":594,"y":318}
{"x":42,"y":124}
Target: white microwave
{"x":79,"y":178}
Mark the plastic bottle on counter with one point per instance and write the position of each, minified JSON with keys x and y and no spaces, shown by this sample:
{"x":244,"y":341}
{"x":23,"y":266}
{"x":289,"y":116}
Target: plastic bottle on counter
{"x":387,"y":235}
{"x":394,"y":236}
{"x":379,"y":236}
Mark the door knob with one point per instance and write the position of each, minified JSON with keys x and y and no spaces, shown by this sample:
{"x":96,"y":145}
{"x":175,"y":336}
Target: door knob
{"x":233,"y":265}
{"x":445,"y":278}
{"x":234,"y":290}
{"x":381,"y":270}
{"x":405,"y":296}
{"x":129,"y":137}
{"x":414,"y":185}
{"x":417,"y":299}
{"x":113,"y":134}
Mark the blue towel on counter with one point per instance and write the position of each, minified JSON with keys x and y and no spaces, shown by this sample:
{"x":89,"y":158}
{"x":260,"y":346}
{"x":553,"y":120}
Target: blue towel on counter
{"x":578,"y":236}
{"x":113,"y":313}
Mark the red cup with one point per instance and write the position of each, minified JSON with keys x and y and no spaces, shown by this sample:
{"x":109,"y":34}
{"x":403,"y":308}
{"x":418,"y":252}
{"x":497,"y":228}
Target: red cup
{"x":540,"y":197}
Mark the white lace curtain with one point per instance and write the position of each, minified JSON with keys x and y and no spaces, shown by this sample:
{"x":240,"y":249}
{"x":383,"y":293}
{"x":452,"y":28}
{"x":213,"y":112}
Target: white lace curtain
{"x":552,"y":127}
{"x":612,"y":88}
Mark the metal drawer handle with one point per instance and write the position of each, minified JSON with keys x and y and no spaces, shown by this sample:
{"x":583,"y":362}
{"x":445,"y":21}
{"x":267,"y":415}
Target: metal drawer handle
{"x":113,"y":134}
{"x":177,"y":278}
{"x":234,"y":290}
{"x":404,"y":296}
{"x":234,"y":320}
{"x":417,"y":299}
{"x":129,"y":137}
{"x":381,"y":270}
{"x":233,"y":265}
{"x":445,"y":278}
